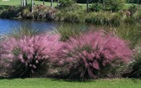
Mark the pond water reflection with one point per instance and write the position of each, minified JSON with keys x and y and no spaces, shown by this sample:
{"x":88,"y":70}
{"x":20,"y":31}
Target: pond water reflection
{"x":7,"y":25}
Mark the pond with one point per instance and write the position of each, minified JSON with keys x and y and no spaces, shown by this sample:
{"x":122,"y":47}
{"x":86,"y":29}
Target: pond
{"x":7,"y":25}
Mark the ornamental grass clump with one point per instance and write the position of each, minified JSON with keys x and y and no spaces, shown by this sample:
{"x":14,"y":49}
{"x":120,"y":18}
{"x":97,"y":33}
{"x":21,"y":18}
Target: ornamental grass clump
{"x":30,"y":56}
{"x":97,"y":55}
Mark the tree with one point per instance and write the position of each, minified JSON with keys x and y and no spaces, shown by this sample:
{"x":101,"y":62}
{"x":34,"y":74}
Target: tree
{"x":26,"y":2}
{"x":87,"y":5}
{"x":51,"y":3}
{"x":57,"y":3}
{"x":32,"y":4}
{"x":23,"y":3}
{"x":43,"y":2}
{"x":113,"y":5}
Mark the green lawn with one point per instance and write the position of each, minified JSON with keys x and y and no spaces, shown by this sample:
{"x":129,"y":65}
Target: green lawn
{"x":51,"y":83}
{"x":17,"y":2}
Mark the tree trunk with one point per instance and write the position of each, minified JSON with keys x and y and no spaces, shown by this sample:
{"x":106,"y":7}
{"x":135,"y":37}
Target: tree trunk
{"x":87,"y":7}
{"x":22,"y":3}
{"x":138,"y":1}
{"x":43,"y":2}
{"x":26,"y":3}
{"x":58,"y":3}
{"x":51,"y":3}
{"x":32,"y":4}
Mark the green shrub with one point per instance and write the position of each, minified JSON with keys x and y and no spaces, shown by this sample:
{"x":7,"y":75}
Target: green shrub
{"x":103,"y":18}
{"x":115,"y":19}
{"x":72,"y":17}
{"x":129,"y":20}
{"x":137,"y":15}
{"x":66,"y":3}
{"x":11,"y":12}
{"x":133,"y":9}
{"x":90,"y":1}
{"x":40,"y":12}
{"x":72,"y":7}
{"x":113,"y":5}
{"x":134,"y":1}
{"x":96,"y":7}
{"x":95,"y":18}
{"x":59,"y":16}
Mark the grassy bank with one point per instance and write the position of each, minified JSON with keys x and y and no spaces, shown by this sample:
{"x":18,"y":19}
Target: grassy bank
{"x":51,"y":83}
{"x":71,"y":12}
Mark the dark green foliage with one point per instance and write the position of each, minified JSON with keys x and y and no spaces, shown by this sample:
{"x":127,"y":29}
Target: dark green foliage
{"x":133,"y":9}
{"x":113,"y":5}
{"x":106,"y":18}
{"x":129,"y":20}
{"x":134,"y":1}
{"x":66,"y":3}
{"x":73,"y":7}
{"x":72,"y":17}
{"x":137,"y":15}
{"x":69,"y":5}
{"x":11,"y":12}
{"x":96,"y":7}
{"x":90,"y":1}
{"x":20,"y":70}
{"x":135,"y":67}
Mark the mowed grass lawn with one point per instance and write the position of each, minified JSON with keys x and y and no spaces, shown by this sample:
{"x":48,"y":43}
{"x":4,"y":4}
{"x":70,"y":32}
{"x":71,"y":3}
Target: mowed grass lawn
{"x":54,"y":83}
{"x":18,"y":2}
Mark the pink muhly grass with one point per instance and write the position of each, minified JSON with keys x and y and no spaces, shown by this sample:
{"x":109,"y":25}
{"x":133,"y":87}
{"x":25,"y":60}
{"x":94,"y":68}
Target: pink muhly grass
{"x":33,"y":51}
{"x":6,"y":48}
{"x":93,"y":51}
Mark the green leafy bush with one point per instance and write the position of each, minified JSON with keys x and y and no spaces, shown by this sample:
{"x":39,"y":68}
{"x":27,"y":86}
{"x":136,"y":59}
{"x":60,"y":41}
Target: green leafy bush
{"x":133,"y":9}
{"x":137,"y":15}
{"x":66,"y":3}
{"x":96,"y":7}
{"x":70,"y":7}
{"x":11,"y":12}
{"x":103,"y":18}
{"x":134,"y":1}
{"x":113,"y":5}
{"x":72,"y":17}
{"x":90,"y":1}
{"x":129,"y":20}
